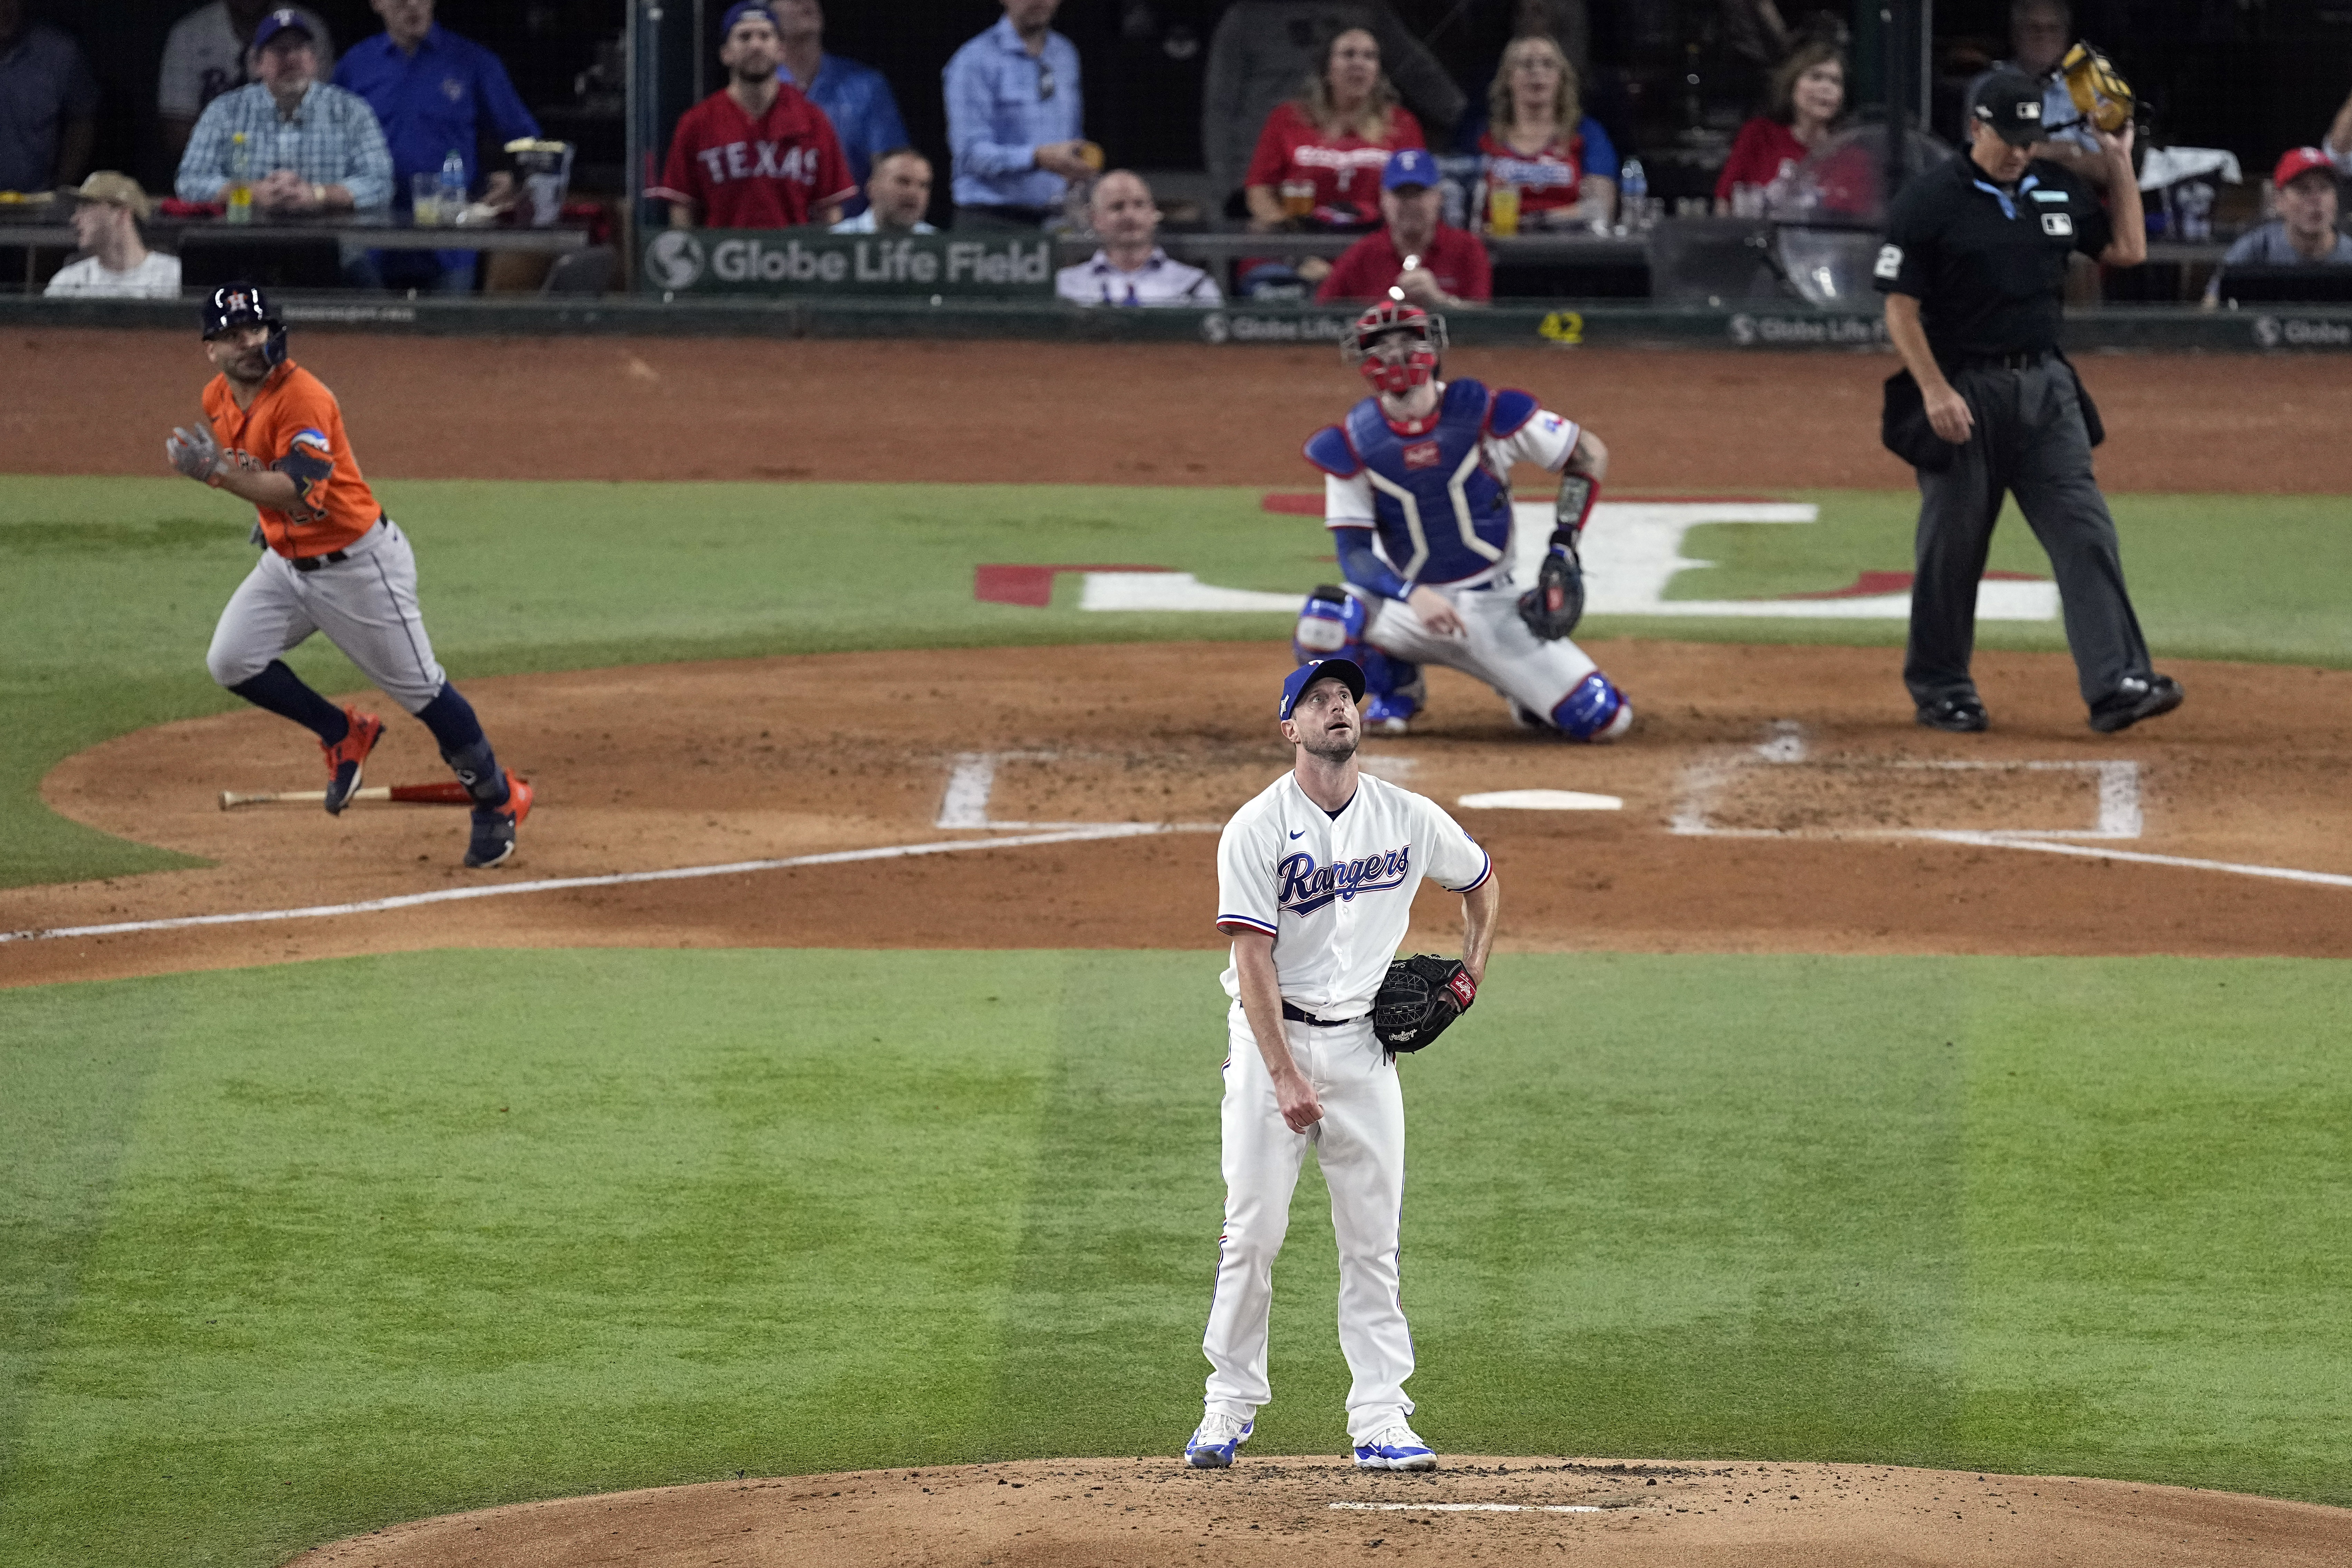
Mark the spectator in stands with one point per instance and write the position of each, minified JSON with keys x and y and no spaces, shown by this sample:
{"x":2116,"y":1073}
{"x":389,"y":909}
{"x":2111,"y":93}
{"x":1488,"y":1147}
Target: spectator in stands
{"x":855,"y":98}
{"x":2040,"y":33}
{"x":1448,"y":266}
{"x":107,"y":210}
{"x":1807,"y":95}
{"x":313,"y":147}
{"x":2304,"y":233}
{"x":431,"y":89}
{"x":1130,"y":269}
{"x":896,"y":198}
{"x":49,"y":104}
{"x":1014,"y":121}
{"x":754,"y":155}
{"x":208,"y":52}
{"x":1263,"y":48}
{"x":1540,"y":142}
{"x":1325,"y":149}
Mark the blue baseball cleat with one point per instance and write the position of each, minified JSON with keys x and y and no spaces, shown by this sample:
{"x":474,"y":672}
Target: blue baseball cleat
{"x":1213,"y":1444}
{"x":1395,"y":1448}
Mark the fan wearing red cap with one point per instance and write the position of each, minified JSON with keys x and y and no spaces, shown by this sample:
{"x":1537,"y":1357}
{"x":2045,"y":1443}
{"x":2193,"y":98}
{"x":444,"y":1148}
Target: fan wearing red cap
{"x":2304,"y":233}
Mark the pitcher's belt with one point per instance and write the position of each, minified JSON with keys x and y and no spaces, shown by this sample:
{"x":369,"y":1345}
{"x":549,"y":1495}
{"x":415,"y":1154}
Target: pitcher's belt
{"x":1301,"y":1016}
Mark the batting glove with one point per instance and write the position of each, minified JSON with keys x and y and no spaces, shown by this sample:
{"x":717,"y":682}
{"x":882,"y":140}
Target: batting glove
{"x":194,"y":452}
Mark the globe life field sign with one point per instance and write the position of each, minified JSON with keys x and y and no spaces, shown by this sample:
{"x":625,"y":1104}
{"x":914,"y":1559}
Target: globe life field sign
{"x":812,"y":261}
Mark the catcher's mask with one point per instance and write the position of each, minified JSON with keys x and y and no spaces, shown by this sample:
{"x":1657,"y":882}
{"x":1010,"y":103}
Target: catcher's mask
{"x":1422,"y":335}
{"x":242,"y":304}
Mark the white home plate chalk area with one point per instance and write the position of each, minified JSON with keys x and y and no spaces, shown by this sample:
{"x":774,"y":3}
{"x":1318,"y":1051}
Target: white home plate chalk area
{"x":1539,"y":800}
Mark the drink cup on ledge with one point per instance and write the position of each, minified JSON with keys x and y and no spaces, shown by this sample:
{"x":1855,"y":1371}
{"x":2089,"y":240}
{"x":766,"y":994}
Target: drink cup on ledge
{"x":1503,"y":210}
{"x":424,"y":192}
{"x":1297,"y":198}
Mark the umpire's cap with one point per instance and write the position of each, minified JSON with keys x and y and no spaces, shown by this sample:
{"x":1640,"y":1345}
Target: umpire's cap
{"x":1307,"y":675}
{"x":2011,"y":102}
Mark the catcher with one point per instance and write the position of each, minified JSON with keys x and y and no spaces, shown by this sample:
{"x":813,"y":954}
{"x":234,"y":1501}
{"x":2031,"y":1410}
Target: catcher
{"x":1315,"y":885}
{"x":1417,"y":495}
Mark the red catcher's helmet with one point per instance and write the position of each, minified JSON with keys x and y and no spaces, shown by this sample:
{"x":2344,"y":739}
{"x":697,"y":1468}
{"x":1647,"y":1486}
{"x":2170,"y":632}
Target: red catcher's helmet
{"x":1424,"y":334}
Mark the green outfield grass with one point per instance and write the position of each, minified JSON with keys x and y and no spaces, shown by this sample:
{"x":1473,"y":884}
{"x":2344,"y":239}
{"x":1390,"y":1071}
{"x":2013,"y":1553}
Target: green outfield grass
{"x":109,"y":588}
{"x":296,"y":1252}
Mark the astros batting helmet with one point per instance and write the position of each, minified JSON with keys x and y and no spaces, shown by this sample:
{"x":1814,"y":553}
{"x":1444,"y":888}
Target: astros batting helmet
{"x":1424,"y":334}
{"x":243,"y":304}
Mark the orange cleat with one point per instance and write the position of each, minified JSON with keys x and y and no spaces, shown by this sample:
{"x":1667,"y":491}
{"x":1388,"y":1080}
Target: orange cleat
{"x":493,"y":841}
{"x":347,"y":759}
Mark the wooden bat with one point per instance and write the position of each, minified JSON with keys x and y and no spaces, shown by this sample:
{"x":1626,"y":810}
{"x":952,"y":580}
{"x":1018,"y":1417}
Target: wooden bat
{"x":442,"y":791}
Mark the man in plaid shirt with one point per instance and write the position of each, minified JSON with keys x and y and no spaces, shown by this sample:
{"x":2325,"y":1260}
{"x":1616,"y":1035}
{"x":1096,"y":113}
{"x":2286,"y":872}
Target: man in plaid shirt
{"x":313,"y":148}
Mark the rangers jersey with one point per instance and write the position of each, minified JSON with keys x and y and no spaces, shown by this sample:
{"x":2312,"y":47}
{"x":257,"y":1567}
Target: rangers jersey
{"x":1437,"y":491}
{"x":1335,"y":892}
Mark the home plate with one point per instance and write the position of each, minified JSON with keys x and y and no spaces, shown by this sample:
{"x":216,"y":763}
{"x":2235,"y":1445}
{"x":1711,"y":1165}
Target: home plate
{"x":1540,"y":800}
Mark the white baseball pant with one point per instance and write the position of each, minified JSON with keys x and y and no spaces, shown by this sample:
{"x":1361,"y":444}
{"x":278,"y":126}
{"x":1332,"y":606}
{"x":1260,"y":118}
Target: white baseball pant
{"x":1496,"y":645}
{"x":1360,"y":1145}
{"x":367,"y":604}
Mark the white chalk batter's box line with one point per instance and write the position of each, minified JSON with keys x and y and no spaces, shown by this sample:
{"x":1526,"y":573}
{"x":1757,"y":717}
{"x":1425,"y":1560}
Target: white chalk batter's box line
{"x":1474,"y":1508}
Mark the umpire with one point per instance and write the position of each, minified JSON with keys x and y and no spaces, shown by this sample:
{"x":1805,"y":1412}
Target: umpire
{"x":1974,"y":271}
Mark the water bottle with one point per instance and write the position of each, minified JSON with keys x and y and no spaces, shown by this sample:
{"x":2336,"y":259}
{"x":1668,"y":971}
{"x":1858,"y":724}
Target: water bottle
{"x":1634,"y":198}
{"x":453,"y":185}
{"x":239,"y":195}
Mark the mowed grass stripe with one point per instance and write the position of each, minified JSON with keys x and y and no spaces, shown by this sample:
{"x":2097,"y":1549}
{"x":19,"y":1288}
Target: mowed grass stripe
{"x":323,"y":1247}
{"x":110,"y":588}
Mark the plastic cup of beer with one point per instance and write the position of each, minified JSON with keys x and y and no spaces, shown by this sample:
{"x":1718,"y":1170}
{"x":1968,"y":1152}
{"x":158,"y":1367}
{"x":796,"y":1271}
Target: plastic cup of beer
{"x":1093,"y":153}
{"x":1503,"y":210}
{"x":424,"y":194}
{"x":1297,"y":198}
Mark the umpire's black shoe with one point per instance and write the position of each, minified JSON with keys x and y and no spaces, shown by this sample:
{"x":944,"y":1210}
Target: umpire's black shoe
{"x":1962,"y":715}
{"x":2137,"y":699}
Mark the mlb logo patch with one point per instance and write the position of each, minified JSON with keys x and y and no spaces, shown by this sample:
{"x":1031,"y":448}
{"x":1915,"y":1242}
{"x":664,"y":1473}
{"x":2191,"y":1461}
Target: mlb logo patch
{"x":2059,"y":225}
{"x":1422,"y":455}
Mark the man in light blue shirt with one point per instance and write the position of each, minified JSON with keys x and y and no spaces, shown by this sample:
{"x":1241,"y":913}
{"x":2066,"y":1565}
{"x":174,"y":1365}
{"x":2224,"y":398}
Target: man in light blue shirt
{"x":855,"y":98}
{"x":312,"y":147}
{"x":897,"y":196}
{"x":1015,"y":120}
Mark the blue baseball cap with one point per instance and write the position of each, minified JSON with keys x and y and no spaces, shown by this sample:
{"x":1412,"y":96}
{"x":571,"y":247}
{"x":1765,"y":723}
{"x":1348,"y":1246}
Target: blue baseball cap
{"x":1412,"y":167}
{"x":1295,"y":685}
{"x":277,"y":22}
{"x":742,"y":8}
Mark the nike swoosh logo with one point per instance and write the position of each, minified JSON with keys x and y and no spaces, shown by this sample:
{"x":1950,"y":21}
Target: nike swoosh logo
{"x":1301,"y":833}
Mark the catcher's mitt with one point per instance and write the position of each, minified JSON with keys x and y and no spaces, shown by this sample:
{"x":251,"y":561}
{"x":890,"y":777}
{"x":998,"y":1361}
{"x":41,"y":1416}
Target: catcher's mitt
{"x":2101,"y":95}
{"x":1553,"y":606}
{"x":1421,"y":996}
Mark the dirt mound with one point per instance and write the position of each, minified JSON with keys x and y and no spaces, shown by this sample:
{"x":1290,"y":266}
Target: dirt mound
{"x":1782,"y":801}
{"x":1123,"y":1512}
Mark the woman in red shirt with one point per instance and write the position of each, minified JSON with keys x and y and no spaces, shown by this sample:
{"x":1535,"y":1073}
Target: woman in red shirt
{"x":1539,"y":141}
{"x":1335,"y":136}
{"x":1807,"y":95}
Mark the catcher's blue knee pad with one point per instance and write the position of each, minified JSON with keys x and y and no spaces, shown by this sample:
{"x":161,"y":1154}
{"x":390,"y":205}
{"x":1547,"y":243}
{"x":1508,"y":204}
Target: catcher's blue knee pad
{"x":1331,"y":623}
{"x":1595,"y":710}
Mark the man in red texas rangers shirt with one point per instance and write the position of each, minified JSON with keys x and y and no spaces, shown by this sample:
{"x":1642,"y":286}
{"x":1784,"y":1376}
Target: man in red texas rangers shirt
{"x":755,"y":154}
{"x":1416,"y":254}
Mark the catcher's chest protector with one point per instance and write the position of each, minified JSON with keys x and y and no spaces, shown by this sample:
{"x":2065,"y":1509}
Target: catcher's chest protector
{"x":1440,"y":514}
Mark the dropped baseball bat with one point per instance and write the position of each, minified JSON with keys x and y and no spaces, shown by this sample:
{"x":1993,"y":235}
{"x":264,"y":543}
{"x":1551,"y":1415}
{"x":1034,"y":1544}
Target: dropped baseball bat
{"x":442,"y":791}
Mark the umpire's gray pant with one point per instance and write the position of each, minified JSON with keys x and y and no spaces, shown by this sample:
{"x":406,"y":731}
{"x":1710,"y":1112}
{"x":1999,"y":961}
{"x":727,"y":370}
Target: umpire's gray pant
{"x":2029,"y":441}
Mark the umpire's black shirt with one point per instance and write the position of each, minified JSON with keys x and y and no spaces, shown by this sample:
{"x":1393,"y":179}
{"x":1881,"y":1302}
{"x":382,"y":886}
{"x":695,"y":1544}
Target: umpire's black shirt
{"x":1988,"y":265}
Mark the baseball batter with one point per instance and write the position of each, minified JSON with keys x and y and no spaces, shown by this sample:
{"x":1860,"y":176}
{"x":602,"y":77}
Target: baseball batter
{"x":331,"y":562}
{"x":1417,"y":495}
{"x":1315,"y":885}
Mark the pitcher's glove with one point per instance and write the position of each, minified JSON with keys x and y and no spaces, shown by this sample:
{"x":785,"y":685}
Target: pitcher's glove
{"x":1553,"y":606}
{"x":194,"y":451}
{"x":1421,"y":996}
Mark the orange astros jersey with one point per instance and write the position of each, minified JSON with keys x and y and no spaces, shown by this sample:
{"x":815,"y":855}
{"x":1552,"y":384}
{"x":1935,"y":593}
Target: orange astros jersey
{"x":295,"y":428}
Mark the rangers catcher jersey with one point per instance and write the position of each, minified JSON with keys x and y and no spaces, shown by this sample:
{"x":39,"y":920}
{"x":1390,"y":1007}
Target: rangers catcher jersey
{"x":1336,"y":893}
{"x":1437,"y":491}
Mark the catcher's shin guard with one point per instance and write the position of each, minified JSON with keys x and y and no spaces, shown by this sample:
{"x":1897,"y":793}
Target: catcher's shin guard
{"x":1594,"y":711}
{"x":1331,"y":625}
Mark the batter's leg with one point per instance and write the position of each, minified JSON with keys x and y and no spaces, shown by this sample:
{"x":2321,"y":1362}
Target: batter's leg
{"x":2061,"y":500}
{"x":264,"y":618}
{"x":1261,"y":1159}
{"x":1362,"y":1150}
{"x":1958,"y":509}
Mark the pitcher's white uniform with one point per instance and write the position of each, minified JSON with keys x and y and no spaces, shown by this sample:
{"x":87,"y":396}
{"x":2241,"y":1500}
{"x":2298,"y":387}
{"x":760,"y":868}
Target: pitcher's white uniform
{"x":1336,"y":894}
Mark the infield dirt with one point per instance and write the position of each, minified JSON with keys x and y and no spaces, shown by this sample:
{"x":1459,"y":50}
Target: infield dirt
{"x":1148,"y":1513}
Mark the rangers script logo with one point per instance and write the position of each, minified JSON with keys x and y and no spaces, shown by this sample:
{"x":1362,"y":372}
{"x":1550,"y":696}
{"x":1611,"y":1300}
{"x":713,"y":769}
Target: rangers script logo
{"x":1305,"y":886}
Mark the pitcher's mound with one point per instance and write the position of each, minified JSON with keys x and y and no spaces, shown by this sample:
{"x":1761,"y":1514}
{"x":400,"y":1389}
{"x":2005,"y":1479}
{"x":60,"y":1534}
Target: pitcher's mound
{"x":1098,"y":1513}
